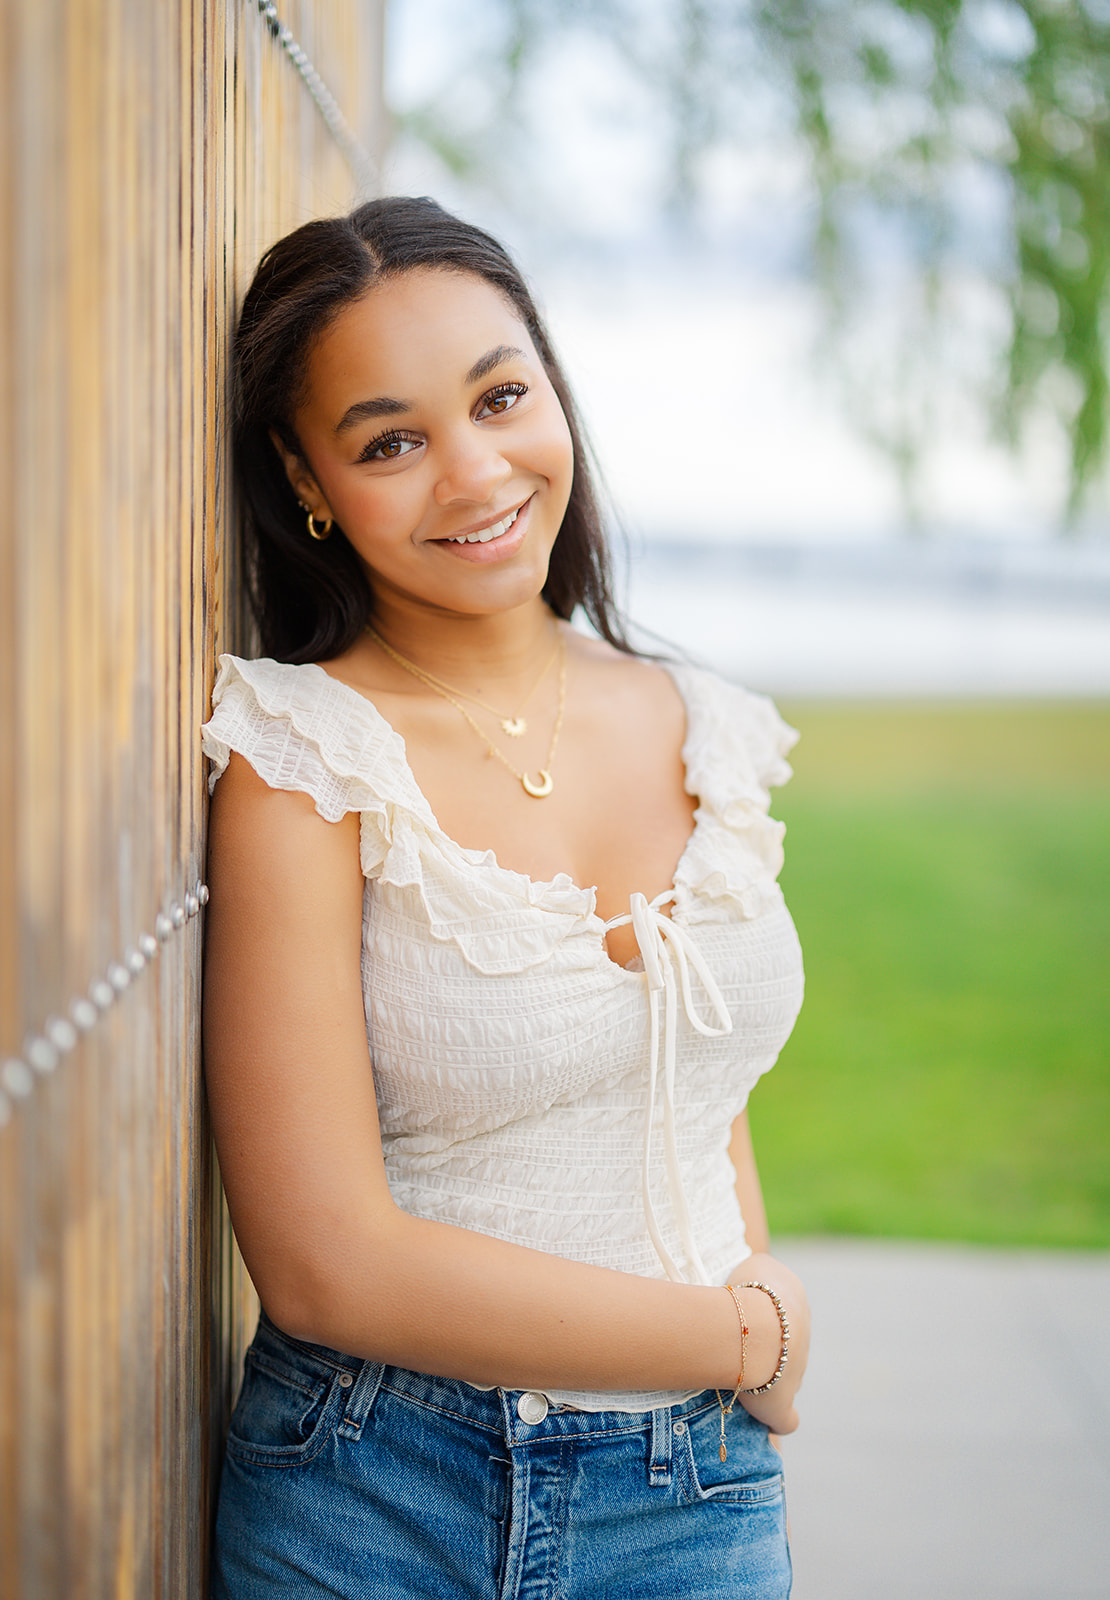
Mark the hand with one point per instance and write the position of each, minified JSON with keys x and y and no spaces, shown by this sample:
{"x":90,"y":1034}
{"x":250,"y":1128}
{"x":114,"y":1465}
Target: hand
{"x":776,"y":1407}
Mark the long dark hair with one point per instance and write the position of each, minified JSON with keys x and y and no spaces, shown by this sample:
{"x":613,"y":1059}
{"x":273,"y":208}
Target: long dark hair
{"x":312,"y":599}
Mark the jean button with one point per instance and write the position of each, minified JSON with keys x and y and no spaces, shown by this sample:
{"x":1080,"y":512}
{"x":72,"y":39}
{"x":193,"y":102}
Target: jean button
{"x":680,"y":1429}
{"x":532,"y":1407}
{"x":345,"y":1380}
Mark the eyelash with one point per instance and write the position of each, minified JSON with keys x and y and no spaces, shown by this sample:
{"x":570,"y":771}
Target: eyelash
{"x":504,"y":389}
{"x":391,"y":436}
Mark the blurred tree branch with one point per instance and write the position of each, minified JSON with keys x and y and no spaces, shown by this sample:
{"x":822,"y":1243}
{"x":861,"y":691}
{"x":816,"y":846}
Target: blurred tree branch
{"x":902,"y":107}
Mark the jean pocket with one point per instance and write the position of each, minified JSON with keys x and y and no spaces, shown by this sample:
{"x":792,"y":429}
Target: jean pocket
{"x":286,"y":1410}
{"x":750,"y":1476}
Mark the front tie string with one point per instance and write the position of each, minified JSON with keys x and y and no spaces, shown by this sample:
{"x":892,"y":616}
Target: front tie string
{"x":663,"y":945}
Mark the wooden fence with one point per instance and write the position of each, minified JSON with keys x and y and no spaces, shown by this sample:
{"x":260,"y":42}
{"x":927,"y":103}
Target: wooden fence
{"x":151,"y":149}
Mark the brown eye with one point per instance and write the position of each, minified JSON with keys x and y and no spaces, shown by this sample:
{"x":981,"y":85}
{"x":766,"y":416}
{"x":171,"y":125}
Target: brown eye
{"x":389,"y":447}
{"x":501,"y":400}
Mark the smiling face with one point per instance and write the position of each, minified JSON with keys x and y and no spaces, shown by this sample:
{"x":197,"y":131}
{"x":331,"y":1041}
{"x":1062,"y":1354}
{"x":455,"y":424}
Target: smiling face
{"x":432,"y":434}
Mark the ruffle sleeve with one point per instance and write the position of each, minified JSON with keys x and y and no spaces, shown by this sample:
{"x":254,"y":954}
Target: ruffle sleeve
{"x":735,"y":753}
{"x":302,"y":731}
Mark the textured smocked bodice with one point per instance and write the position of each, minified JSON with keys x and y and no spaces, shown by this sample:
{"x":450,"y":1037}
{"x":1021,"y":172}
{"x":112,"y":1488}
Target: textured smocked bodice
{"x":528,"y":1087}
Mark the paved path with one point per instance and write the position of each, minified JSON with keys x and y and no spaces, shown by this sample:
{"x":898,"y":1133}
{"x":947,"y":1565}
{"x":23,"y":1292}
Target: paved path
{"x":955,"y":1438}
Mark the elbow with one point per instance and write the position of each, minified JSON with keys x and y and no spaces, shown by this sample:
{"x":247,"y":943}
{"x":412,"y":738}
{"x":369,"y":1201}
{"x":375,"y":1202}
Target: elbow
{"x":338,"y":1296}
{"x":316,"y":1313}
{"x":302,"y":1316}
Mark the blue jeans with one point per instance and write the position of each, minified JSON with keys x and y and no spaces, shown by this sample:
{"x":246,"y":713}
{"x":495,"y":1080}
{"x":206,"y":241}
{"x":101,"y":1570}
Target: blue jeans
{"x":346,"y":1478}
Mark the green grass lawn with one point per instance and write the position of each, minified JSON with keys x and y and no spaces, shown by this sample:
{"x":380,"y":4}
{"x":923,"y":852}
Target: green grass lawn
{"x":949,"y":872}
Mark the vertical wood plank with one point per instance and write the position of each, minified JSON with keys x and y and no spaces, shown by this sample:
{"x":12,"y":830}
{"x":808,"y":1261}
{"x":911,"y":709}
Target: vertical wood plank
{"x":149,"y":154}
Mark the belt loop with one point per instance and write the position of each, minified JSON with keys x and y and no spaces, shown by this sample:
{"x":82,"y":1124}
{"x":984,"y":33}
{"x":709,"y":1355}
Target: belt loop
{"x":363,"y":1394}
{"x":659,"y":1474}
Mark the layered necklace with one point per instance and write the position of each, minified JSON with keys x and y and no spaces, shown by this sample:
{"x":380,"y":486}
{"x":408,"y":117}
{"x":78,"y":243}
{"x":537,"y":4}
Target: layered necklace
{"x":514,"y":725}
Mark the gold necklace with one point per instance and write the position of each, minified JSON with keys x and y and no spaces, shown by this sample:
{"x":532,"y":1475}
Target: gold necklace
{"x":513,"y":724}
{"x":542,"y":787}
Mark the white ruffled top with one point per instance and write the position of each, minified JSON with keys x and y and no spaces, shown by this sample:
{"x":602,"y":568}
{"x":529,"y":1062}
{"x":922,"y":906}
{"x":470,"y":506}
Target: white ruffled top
{"x":528,"y":1087}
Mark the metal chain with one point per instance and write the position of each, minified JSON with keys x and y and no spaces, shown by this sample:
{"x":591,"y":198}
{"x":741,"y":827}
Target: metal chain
{"x":359,"y":159}
{"x":59,"y":1035}
{"x":512,"y":723}
{"x":538,"y":791}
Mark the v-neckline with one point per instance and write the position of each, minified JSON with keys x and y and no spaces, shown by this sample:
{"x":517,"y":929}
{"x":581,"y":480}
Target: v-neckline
{"x":562,"y":884}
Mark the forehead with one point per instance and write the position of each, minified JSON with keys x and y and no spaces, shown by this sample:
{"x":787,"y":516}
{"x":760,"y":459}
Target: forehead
{"x":410,"y":335}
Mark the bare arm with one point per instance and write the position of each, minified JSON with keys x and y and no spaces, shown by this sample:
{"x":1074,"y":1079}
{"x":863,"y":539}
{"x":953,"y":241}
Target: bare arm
{"x":333,"y":1258}
{"x":749,"y":1190}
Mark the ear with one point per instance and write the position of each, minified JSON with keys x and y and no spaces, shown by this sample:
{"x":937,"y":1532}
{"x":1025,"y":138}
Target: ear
{"x":303,"y":484}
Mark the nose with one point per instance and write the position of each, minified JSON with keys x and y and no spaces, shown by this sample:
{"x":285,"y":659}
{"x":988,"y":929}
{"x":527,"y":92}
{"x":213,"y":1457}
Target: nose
{"x":473,"y":469}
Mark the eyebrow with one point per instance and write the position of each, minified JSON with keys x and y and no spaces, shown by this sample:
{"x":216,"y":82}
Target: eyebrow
{"x":366,"y":410}
{"x":386,"y":406}
{"x":492,"y":358}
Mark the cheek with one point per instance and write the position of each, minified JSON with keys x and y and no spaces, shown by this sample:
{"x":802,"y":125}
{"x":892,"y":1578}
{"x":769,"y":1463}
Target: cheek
{"x":381,"y":504}
{"x":555,"y":450}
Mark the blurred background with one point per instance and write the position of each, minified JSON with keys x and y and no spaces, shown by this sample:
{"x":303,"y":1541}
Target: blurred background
{"x":831,"y":285}
{"x":830,"y":282}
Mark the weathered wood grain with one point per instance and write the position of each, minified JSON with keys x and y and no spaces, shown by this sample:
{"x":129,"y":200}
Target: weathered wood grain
{"x":150,"y":152}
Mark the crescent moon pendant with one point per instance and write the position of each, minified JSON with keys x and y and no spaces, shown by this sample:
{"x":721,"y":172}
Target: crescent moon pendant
{"x":538,"y":790}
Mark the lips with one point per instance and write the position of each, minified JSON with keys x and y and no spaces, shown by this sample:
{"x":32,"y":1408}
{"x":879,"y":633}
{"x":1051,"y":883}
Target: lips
{"x":484,"y":535}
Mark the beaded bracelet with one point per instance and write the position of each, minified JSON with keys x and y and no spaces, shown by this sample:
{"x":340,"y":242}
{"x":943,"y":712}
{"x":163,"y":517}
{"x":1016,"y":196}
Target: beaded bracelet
{"x":785,"y":1328}
{"x":726,"y":1411}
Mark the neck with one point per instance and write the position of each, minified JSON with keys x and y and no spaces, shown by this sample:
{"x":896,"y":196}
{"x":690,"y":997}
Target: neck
{"x":460,"y":649}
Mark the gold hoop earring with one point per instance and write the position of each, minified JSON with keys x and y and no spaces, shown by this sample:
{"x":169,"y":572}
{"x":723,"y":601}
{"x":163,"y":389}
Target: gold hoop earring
{"x":314,"y":531}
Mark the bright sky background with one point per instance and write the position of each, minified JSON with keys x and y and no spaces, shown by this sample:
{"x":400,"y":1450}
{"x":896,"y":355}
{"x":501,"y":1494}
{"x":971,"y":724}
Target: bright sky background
{"x":694,"y":354}
{"x":694,"y":359}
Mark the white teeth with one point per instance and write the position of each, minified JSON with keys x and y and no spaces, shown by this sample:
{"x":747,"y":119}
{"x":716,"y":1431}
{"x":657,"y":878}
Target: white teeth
{"x":486,"y":534}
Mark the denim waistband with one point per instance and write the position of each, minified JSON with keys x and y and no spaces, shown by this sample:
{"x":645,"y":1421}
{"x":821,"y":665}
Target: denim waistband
{"x":506,"y":1412}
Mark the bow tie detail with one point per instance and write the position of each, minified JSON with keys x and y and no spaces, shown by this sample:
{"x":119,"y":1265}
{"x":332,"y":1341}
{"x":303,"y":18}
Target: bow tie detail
{"x":666,"y":948}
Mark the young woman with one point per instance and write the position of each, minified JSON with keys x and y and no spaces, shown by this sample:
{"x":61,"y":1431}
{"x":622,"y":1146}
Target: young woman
{"x":495,"y":955}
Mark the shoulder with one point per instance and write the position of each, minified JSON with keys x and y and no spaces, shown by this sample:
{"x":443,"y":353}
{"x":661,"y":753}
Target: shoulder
{"x":625,"y":685}
{"x":735,"y":736}
{"x":294,"y":719}
{"x":725,"y":727}
{"x":305,"y":733}
{"x":300,"y":692}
